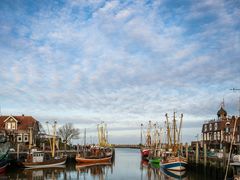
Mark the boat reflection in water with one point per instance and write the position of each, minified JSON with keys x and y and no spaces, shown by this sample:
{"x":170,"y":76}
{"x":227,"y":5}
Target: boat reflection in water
{"x":39,"y":173}
{"x":100,"y":170}
{"x":174,"y":174}
{"x":154,"y":171}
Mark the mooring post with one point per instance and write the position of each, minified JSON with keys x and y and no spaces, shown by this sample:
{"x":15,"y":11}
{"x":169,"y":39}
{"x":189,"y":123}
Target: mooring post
{"x":224,"y":157}
{"x":197,"y":153}
{"x":186,"y":150}
{"x":18,"y":147}
{"x":205,"y":154}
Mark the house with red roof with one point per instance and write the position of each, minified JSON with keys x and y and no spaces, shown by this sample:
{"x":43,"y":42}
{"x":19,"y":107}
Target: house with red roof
{"x":20,"y":129}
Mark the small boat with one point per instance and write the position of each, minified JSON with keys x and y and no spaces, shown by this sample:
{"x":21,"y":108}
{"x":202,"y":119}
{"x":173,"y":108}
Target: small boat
{"x":145,"y":153}
{"x":81,"y":159}
{"x":155,"y":160}
{"x":174,"y":163}
{"x":37,"y":159}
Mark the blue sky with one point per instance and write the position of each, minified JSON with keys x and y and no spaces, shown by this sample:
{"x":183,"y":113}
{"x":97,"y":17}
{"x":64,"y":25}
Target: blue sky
{"x":122,"y":62}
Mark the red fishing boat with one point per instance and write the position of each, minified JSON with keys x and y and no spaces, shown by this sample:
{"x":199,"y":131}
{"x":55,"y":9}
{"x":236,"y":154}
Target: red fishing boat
{"x":145,"y":153}
{"x":80,"y":159}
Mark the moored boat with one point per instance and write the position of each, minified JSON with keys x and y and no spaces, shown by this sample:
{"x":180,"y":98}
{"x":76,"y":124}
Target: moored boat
{"x":145,"y":153}
{"x":174,"y":163}
{"x":155,"y":160}
{"x":81,"y":159}
{"x":38,"y":160}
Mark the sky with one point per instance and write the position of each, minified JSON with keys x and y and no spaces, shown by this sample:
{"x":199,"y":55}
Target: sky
{"x":121,"y":62}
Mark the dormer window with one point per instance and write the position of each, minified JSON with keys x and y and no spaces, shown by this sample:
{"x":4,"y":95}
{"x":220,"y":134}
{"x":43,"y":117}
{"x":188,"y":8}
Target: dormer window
{"x":10,"y":125}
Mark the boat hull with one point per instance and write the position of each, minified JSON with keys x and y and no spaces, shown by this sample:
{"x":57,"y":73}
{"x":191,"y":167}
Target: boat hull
{"x":155,"y":160}
{"x":145,"y":153}
{"x":93,"y":160}
{"x":3,"y":166}
{"x":175,"y":166}
{"x":45,"y":164}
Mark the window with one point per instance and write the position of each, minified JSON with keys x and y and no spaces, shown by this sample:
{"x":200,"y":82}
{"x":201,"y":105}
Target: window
{"x":19,"y":138}
{"x":9,"y":125}
{"x":210,"y":127}
{"x":215,"y":126}
{"x":13,"y":125}
{"x":25,"y":137}
{"x":218,"y":136}
{"x":205,"y":127}
{"x":227,"y":129}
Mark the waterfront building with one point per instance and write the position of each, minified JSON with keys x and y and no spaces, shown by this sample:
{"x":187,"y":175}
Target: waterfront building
{"x":21,"y":130}
{"x":218,"y":133}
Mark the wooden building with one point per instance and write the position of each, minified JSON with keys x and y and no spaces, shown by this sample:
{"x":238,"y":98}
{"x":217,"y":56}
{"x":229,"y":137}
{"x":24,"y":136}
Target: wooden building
{"x":218,"y":133}
{"x":20,"y":129}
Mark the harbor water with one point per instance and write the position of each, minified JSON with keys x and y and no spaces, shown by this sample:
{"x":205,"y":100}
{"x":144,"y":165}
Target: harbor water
{"x":127,"y":165}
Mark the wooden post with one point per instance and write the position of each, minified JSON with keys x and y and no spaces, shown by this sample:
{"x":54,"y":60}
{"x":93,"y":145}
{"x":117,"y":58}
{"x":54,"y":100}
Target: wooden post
{"x":18,"y":147}
{"x":186,"y":150}
{"x":197,"y":153}
{"x":30,"y":137}
{"x":205,"y":154}
{"x":224,"y":156}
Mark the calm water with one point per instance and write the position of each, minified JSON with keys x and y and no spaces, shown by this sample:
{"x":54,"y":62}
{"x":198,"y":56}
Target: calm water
{"x":126,"y":166}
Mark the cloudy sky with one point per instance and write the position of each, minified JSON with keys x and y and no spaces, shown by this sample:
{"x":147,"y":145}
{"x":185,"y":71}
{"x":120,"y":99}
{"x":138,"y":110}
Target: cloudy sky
{"x":121,"y":62}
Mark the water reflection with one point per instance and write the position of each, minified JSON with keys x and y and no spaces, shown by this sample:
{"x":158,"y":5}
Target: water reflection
{"x":154,"y":171}
{"x":99,"y":170}
{"x":38,"y":174}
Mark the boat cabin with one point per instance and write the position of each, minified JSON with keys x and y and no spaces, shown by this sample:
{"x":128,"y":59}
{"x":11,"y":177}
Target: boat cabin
{"x":38,"y":156}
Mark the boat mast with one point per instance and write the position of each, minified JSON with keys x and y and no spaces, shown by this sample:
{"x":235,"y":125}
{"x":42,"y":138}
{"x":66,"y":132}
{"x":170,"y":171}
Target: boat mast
{"x":148,"y":141}
{"x":180,"y":127}
{"x":50,"y":141}
{"x":141,"y":134}
{"x":174,"y":132}
{"x":54,"y":138}
{"x":169,"y":139}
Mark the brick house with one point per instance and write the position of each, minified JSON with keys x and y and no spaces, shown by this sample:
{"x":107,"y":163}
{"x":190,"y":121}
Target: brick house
{"x":20,"y":129}
{"x":218,"y":132}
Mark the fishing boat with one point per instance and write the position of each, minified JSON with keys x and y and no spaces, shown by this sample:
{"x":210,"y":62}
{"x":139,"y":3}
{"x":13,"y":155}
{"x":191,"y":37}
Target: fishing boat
{"x":103,"y":152}
{"x":146,"y":148}
{"x":80,"y":159}
{"x":4,"y":149}
{"x":40,"y":159}
{"x":172,"y":159}
{"x":174,"y":163}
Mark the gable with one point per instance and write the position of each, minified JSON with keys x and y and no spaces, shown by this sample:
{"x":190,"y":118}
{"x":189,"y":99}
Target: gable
{"x":10,"y":118}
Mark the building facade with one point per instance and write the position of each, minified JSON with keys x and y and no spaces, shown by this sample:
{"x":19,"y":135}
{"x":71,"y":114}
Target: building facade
{"x":218,"y":133}
{"x":21,"y":130}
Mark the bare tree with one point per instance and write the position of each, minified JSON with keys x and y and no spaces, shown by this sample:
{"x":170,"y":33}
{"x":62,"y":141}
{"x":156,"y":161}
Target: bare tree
{"x":67,"y":132}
